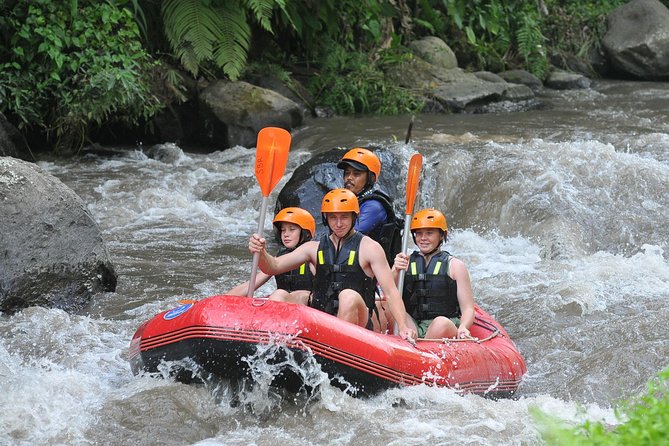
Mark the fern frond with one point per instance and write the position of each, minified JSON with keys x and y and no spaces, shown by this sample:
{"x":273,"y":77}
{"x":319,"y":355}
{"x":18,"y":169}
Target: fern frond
{"x":232,"y":47}
{"x":198,"y":31}
{"x":531,"y":46}
{"x":263,"y":9}
{"x":192,"y":29}
{"x":187,"y":57}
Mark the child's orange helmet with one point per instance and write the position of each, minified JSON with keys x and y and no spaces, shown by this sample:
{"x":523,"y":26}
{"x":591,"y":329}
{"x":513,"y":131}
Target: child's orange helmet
{"x":340,"y":200}
{"x":429,"y":218}
{"x":296,"y":216}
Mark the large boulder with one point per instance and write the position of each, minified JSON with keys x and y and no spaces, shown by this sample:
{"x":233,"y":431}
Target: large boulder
{"x":522,"y":77}
{"x":637,"y":40}
{"x":563,"y":80}
{"x":12,"y":142}
{"x":453,"y":89}
{"x":234,"y":112}
{"x":290,"y":88}
{"x":51,"y":250}
{"x":313,"y":179}
{"x":435,"y":51}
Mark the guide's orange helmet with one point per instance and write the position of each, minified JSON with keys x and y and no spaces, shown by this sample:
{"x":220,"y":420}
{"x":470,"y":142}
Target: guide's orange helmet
{"x":361,"y":159}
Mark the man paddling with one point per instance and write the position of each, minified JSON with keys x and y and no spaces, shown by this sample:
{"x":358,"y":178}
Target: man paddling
{"x":348,"y":266}
{"x":377,"y":218}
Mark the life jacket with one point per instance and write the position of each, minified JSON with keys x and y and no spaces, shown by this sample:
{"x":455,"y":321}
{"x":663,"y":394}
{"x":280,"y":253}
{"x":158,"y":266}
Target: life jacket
{"x":300,"y":278}
{"x":429,"y":291}
{"x":389,"y":235}
{"x":339,"y":271}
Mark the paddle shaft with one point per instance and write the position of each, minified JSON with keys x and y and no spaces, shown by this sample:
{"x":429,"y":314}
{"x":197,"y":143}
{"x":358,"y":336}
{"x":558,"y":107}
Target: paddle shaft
{"x":413,"y":178}
{"x":256,"y":256}
{"x":405,"y":244}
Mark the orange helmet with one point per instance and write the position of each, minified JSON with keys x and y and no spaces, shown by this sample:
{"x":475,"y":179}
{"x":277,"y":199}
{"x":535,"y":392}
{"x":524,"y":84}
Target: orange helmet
{"x":429,"y":218}
{"x":340,"y":200}
{"x":361,"y":159}
{"x":296,"y":216}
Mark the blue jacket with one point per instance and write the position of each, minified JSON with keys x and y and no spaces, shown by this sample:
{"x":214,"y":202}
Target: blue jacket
{"x":372,"y":217}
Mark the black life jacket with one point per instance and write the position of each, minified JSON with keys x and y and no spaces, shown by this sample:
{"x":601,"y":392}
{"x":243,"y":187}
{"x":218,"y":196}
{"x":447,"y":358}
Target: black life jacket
{"x":339,"y":271}
{"x":429,"y":291}
{"x":300,"y":278}
{"x":389,"y":235}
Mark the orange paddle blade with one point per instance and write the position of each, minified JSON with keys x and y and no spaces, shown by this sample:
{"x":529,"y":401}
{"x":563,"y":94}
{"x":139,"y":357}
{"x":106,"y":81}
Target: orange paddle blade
{"x":413,"y":178}
{"x":271,"y":157}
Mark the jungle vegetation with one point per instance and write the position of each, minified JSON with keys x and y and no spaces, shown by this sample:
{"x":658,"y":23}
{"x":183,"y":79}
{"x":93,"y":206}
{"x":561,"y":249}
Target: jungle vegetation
{"x":643,"y":421}
{"x":72,"y":66}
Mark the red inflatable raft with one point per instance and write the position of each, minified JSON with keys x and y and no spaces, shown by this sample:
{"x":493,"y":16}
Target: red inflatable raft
{"x":219,"y":333}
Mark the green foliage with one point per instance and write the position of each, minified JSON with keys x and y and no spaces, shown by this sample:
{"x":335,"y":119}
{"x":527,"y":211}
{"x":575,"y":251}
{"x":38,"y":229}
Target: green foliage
{"x":351,"y":84}
{"x":573,"y":27}
{"x":309,"y":28}
{"x":349,"y":44}
{"x":72,"y":65}
{"x":66,"y":66}
{"x":499,"y":31}
{"x":501,"y":34}
{"x":202,"y":31}
{"x":644,"y":421}
{"x":531,"y":43}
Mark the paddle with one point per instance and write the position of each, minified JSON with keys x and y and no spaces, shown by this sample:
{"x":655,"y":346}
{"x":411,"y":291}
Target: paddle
{"x":271,"y":156}
{"x":413,"y":178}
{"x":408,"y":136}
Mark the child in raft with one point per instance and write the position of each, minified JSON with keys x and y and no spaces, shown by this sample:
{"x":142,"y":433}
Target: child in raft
{"x":437,"y":290}
{"x":294,"y":226}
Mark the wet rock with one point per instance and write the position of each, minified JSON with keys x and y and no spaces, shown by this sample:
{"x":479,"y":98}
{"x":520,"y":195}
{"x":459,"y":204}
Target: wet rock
{"x":488,"y":76}
{"x":454,"y":90}
{"x":234,"y":112}
{"x":562,"y":80}
{"x":12,"y":142}
{"x":168,"y":153}
{"x":313,"y":179}
{"x":51,"y":250}
{"x":435,"y":51}
{"x":292,"y":89}
{"x":637,"y":40}
{"x":522,"y":77}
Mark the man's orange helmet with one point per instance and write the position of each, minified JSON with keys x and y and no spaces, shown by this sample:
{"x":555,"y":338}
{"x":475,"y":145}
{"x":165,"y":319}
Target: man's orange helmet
{"x":361,"y":159}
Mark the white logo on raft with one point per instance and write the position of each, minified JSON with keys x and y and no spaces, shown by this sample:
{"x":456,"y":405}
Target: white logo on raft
{"x":176,"y":312}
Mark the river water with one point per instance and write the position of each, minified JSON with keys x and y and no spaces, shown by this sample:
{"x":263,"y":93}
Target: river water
{"x":560,"y":213}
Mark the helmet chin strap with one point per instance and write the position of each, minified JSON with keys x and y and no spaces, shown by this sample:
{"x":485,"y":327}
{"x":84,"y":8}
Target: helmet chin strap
{"x":305,"y":236}
{"x":431,"y":253}
{"x":340,"y":240}
{"x":371,"y":179}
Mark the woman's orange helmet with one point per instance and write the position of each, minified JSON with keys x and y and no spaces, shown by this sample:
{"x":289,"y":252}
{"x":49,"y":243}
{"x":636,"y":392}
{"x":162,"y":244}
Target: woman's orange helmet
{"x":340,"y":200}
{"x":429,"y":218}
{"x":361,"y":159}
{"x":296,"y":216}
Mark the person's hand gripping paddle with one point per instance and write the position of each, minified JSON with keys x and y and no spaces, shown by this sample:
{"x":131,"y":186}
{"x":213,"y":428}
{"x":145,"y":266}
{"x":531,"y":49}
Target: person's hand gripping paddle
{"x":413,"y":178}
{"x":271,"y":157}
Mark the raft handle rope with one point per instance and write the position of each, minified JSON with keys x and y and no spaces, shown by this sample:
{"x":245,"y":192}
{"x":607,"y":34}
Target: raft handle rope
{"x":477,"y":321}
{"x":470,"y":339}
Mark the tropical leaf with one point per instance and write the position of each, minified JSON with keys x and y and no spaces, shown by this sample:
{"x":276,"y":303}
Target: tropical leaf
{"x":232,"y":48}
{"x":531,"y":45}
{"x":200,"y":31}
{"x":263,"y":9}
